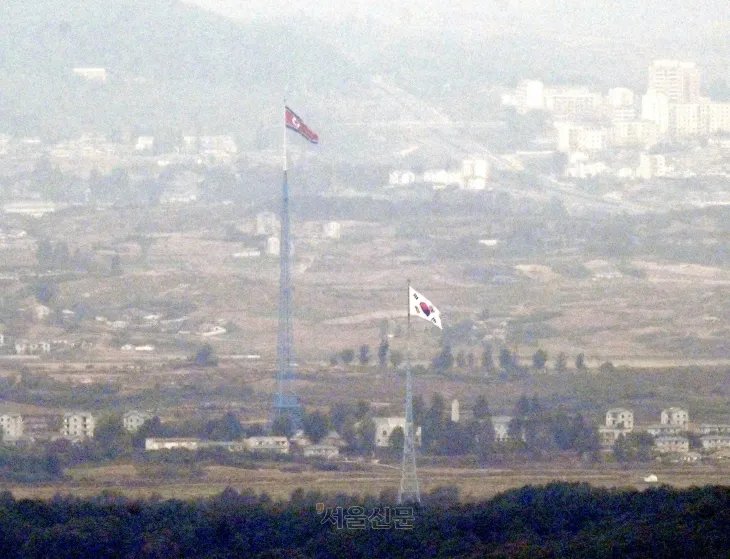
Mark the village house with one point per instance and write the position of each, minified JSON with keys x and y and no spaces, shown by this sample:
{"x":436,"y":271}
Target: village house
{"x":664,"y":429}
{"x":714,"y":442}
{"x":173,"y":443}
{"x":500,"y":423}
{"x":672,"y":444}
{"x":714,"y":429}
{"x":11,"y":425}
{"x":333,"y":438}
{"x":23,"y":347}
{"x":384,"y":427}
{"x":675,"y":416}
{"x":78,"y":424}
{"x":276,"y":445}
{"x":325,"y":451}
{"x":133,"y":420}
{"x":619,"y":421}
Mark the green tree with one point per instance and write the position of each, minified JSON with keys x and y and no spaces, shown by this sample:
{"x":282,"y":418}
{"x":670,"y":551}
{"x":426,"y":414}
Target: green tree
{"x":111,"y":437}
{"x":347,"y":356}
{"x":116,"y":265}
{"x":61,"y":256}
{"x":607,"y":368}
{"x":316,"y":426}
{"x":487,"y":359}
{"x":396,"y":440}
{"x":383,"y":352}
{"x":539,"y":359}
{"x":205,"y":357}
{"x":634,"y":447}
{"x":282,"y":426}
{"x":580,"y":362}
{"x":480,"y":409}
{"x":505,"y":359}
{"x":396,"y":358}
{"x":227,"y":428}
{"x":44,"y":254}
{"x":444,"y":361}
{"x":364,"y":354}
{"x":561,"y":363}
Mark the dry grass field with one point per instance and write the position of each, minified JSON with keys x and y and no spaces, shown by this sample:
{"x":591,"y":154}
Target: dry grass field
{"x":472,"y":484}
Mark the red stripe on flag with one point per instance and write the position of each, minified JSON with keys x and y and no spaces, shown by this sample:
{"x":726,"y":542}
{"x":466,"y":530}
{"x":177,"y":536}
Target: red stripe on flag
{"x":295,"y":123}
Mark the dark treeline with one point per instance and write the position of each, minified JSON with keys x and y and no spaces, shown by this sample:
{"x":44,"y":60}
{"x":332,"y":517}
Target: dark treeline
{"x":557,"y":520}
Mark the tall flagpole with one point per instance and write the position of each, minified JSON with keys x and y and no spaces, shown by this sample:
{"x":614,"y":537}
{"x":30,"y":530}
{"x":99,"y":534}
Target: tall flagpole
{"x":285,"y":402}
{"x":409,"y":492}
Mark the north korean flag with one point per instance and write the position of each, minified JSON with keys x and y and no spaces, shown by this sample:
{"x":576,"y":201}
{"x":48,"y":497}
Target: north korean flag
{"x":293,"y":122}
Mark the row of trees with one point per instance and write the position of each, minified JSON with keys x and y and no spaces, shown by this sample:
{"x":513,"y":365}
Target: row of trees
{"x":507,"y":361}
{"x":556,"y":520}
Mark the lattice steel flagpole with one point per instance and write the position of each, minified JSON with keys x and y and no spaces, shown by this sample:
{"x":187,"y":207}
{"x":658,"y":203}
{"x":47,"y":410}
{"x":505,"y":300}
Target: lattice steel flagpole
{"x":285,"y":403}
{"x":409,"y":492}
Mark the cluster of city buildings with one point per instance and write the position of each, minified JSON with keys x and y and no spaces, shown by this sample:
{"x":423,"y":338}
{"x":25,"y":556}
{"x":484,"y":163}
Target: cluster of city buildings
{"x":588,"y":122}
{"x":671,"y":434}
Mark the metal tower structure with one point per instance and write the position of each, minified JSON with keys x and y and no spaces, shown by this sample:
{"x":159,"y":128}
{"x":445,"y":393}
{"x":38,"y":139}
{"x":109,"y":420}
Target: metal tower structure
{"x":285,"y":401}
{"x":409,"y":492}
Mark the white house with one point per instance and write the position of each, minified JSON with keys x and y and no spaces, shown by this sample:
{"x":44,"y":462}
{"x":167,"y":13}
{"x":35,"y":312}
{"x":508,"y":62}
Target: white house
{"x":714,"y":429}
{"x":278,"y":445}
{"x":384,"y":427}
{"x":620,"y":418}
{"x":501,"y":427}
{"x":664,"y":429}
{"x":325,"y":451}
{"x":78,"y":424}
{"x":675,"y":416}
{"x":171,"y":443}
{"x":133,"y":420}
{"x":672,"y":444}
{"x":713,"y":442}
{"x":11,"y":425}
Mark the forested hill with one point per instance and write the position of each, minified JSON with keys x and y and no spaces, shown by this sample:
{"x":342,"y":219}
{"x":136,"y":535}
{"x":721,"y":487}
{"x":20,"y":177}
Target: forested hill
{"x":168,"y":64}
{"x":558,"y":520}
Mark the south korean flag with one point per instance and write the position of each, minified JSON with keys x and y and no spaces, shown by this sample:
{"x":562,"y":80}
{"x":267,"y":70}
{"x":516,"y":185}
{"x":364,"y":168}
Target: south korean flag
{"x":420,"y":306}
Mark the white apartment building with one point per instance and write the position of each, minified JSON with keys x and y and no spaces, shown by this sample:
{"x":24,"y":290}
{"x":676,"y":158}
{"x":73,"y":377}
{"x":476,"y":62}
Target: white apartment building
{"x":675,"y":416}
{"x":572,"y":102}
{"x":11,"y":425}
{"x":133,"y":420}
{"x":530,"y":95}
{"x":655,"y":108}
{"x":620,"y":418}
{"x":634,"y":133}
{"x":714,"y":429}
{"x":714,"y":442}
{"x":620,"y":97}
{"x":651,"y":166}
{"x":574,"y":137}
{"x":78,"y":424}
{"x":672,"y":444}
{"x":679,"y":81}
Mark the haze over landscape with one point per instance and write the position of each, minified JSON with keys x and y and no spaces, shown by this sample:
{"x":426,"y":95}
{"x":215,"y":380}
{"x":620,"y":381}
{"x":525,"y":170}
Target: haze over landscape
{"x":551,"y":176}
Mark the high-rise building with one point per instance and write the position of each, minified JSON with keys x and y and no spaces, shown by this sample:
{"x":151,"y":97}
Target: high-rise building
{"x":679,"y":81}
{"x":530,"y":95}
{"x":655,"y":108}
